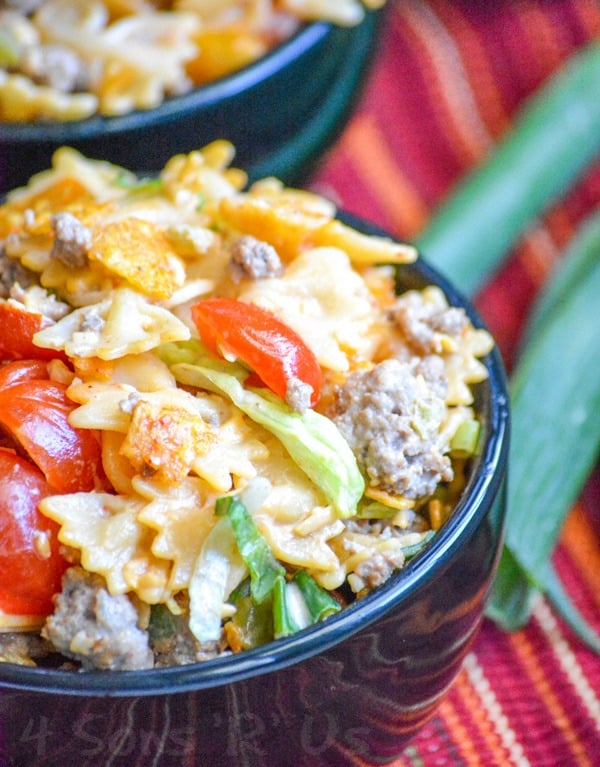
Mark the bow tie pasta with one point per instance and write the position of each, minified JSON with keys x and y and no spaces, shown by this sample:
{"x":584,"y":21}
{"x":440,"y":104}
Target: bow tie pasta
{"x":70,"y":59}
{"x":269,"y":427}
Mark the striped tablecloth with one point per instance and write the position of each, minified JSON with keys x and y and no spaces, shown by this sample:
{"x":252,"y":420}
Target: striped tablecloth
{"x":447,"y":81}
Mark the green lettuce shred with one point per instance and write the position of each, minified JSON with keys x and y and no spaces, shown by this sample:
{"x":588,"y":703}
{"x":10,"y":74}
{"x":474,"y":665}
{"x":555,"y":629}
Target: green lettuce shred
{"x":284,"y":618}
{"x":217,"y":567}
{"x":264,"y":569}
{"x":320,"y":603}
{"x":312,"y":440}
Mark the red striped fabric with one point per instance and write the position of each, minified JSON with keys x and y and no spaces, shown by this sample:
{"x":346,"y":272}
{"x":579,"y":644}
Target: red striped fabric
{"x":447,"y":81}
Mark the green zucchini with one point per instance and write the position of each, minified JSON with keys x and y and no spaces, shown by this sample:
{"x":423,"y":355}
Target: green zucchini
{"x":553,"y":141}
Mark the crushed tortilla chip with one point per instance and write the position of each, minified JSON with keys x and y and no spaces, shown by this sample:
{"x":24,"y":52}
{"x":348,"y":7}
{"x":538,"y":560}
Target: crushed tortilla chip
{"x":139,"y":252}
{"x":281,"y":224}
{"x":166,"y":440}
{"x":54,"y":198}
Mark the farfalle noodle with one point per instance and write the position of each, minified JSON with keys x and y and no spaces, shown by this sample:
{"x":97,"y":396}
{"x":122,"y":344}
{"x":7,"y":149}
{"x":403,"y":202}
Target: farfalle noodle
{"x":115,"y":264}
{"x":70,"y":59}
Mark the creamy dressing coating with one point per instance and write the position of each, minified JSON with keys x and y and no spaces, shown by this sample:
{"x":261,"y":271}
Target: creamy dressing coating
{"x":343,"y":492}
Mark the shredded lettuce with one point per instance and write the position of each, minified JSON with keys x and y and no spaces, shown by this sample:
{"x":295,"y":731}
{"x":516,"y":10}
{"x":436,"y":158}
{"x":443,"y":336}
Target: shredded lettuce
{"x":264,"y":569}
{"x":163,"y":624}
{"x":312,"y":440}
{"x":138,"y":186}
{"x":300,"y":603}
{"x":218,"y":568}
{"x":253,"y":622}
{"x":267,"y":575}
{"x":292,"y":604}
{"x":319,"y":602}
{"x":193,"y":352}
{"x":285,"y":617}
{"x":413,"y":549}
{"x":465,"y":441}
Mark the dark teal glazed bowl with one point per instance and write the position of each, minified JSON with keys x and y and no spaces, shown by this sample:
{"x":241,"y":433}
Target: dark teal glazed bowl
{"x":281,"y":113}
{"x":348,"y":692}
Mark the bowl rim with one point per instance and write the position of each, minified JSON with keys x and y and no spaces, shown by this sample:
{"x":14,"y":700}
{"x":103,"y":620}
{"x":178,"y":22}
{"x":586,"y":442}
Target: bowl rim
{"x":303,"y":40}
{"x":482,"y":488}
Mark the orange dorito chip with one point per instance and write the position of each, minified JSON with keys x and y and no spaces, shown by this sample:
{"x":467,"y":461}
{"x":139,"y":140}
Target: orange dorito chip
{"x":54,"y":198}
{"x":282,"y":224}
{"x":140,"y":253}
{"x":165,"y":440}
{"x":222,"y":51}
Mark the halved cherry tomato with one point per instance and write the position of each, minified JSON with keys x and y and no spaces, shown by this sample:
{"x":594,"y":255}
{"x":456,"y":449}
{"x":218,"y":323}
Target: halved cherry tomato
{"x":30,"y":560}
{"x":275,"y":352}
{"x":14,"y":372}
{"x":17,"y":328}
{"x":17,"y":371}
{"x":35,"y":413}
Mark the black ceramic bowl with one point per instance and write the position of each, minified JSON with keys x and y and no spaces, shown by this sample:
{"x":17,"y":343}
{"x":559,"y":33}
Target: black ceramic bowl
{"x":349,"y":691}
{"x":280,"y":112}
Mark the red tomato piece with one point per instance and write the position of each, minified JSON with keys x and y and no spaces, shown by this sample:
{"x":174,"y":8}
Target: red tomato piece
{"x":15,"y":372}
{"x":35,"y":413}
{"x":30,"y":560}
{"x":275,"y":352}
{"x":17,"y":328}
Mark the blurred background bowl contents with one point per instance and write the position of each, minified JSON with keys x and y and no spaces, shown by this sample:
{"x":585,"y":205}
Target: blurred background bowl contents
{"x":135,"y":82}
{"x":70,"y":59}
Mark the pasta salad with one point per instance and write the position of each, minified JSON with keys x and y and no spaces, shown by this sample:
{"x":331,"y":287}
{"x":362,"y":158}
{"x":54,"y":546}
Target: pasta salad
{"x":220,"y":422}
{"x":70,"y":59}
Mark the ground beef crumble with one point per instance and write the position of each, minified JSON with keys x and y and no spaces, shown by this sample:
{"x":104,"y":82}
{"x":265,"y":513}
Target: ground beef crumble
{"x":173,"y":643}
{"x":24,"y":6}
{"x":24,"y":648}
{"x":253,"y":259}
{"x":378,"y":568}
{"x":91,"y":321}
{"x":433,"y":370}
{"x":72,"y":240}
{"x":298,"y":395}
{"x":422,"y":323}
{"x":55,"y":66}
{"x":13,"y":273}
{"x":390,"y":418}
{"x":95,"y":628}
